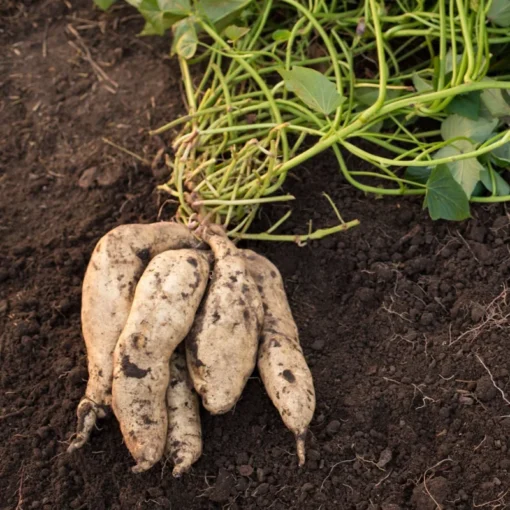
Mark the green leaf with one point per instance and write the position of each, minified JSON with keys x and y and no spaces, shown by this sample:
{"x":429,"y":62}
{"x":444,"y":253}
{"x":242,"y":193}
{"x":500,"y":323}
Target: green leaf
{"x":368,"y":95}
{"x":444,"y":197}
{"x":480,"y":190}
{"x":180,"y":7}
{"x":502,"y":153}
{"x":375,"y":128}
{"x":494,"y":101}
{"x":185,"y":40}
{"x":313,"y":88}
{"x":502,"y":187}
{"x":467,"y":105}
{"x":420,"y":84}
{"x":218,"y":10}
{"x":281,"y":35}
{"x":476,"y":130}
{"x":104,"y":4}
{"x":149,"y":29}
{"x":160,"y":15}
{"x":499,"y":13}
{"x":234,"y":33}
{"x":506,"y":95}
{"x":418,"y":173}
{"x":465,"y":171}
{"x":448,"y":65}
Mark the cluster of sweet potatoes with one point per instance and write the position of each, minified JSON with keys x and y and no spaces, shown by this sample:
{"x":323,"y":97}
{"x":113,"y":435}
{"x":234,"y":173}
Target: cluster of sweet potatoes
{"x":169,"y":315}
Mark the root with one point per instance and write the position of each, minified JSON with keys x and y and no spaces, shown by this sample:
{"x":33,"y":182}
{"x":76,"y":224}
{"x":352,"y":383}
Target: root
{"x":300,"y":447}
{"x":507,"y":402}
{"x":438,"y":506}
{"x":87,"y":417}
{"x":19,"y":506}
{"x":494,"y":318}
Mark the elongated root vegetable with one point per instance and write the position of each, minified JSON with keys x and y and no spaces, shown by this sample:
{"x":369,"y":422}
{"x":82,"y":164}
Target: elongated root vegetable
{"x":166,"y":300}
{"x":221,"y":349}
{"x":184,"y":438}
{"x":117,"y":263}
{"x":282,"y":366}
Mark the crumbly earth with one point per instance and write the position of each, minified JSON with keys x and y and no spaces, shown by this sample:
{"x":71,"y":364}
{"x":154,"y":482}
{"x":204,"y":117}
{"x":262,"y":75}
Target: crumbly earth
{"x":404,"y":322}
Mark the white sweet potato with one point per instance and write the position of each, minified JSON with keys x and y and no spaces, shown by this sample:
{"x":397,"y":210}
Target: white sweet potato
{"x":166,"y":300}
{"x":282,"y":366}
{"x":116,"y":264}
{"x":184,"y":438}
{"x":221,"y":349}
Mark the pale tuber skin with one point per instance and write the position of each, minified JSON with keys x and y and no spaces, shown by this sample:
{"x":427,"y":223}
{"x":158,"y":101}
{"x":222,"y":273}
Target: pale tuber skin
{"x":117,"y":263}
{"x":184,"y":438}
{"x":166,"y":300}
{"x":221,"y":349}
{"x":282,"y":366}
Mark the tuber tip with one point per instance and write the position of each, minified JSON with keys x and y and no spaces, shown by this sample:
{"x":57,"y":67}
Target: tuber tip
{"x":76,"y":444}
{"x":148,"y":458}
{"x":142,"y":466}
{"x":178,"y":471}
{"x":87,"y":418}
{"x":300,"y":446}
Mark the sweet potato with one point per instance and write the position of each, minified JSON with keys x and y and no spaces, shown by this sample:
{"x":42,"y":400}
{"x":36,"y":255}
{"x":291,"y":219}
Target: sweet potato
{"x":116,"y":264}
{"x":221,"y":349}
{"x":184,"y":438}
{"x":166,"y":300}
{"x":282,"y":366}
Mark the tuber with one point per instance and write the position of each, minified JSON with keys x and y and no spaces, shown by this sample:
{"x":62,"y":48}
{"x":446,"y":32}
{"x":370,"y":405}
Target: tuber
{"x":282,"y":366}
{"x":116,"y":264}
{"x":184,"y":438}
{"x":164,"y":306}
{"x":221,"y":349}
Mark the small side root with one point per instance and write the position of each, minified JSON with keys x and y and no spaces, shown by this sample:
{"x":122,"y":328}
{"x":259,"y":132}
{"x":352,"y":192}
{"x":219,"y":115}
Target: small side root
{"x":87,"y":418}
{"x":300,"y":447}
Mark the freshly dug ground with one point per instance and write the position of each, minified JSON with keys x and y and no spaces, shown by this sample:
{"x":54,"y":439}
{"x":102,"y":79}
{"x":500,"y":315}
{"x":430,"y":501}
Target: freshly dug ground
{"x":405,"y":322}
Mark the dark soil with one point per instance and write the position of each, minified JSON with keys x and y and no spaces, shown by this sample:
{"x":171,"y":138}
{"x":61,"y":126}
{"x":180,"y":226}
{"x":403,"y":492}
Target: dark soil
{"x":397,"y":317}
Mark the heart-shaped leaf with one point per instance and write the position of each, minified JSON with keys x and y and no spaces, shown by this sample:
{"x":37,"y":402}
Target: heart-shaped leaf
{"x":417,"y":173}
{"x":502,"y":153}
{"x":368,"y":95}
{"x":444,"y":198}
{"x":467,"y":105}
{"x":218,"y":10}
{"x":181,"y":7}
{"x":313,"y":88}
{"x":234,"y":33}
{"x":494,"y":101}
{"x":185,"y":40}
{"x":499,"y":13}
{"x":448,"y":65}
{"x":479,"y":130}
{"x":465,"y":171}
{"x":160,"y":15}
{"x":502,"y":187}
{"x":420,"y":84}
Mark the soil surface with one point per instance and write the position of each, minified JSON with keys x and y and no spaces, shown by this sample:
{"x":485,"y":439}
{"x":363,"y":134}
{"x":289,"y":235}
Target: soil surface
{"x":404,"y":322}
